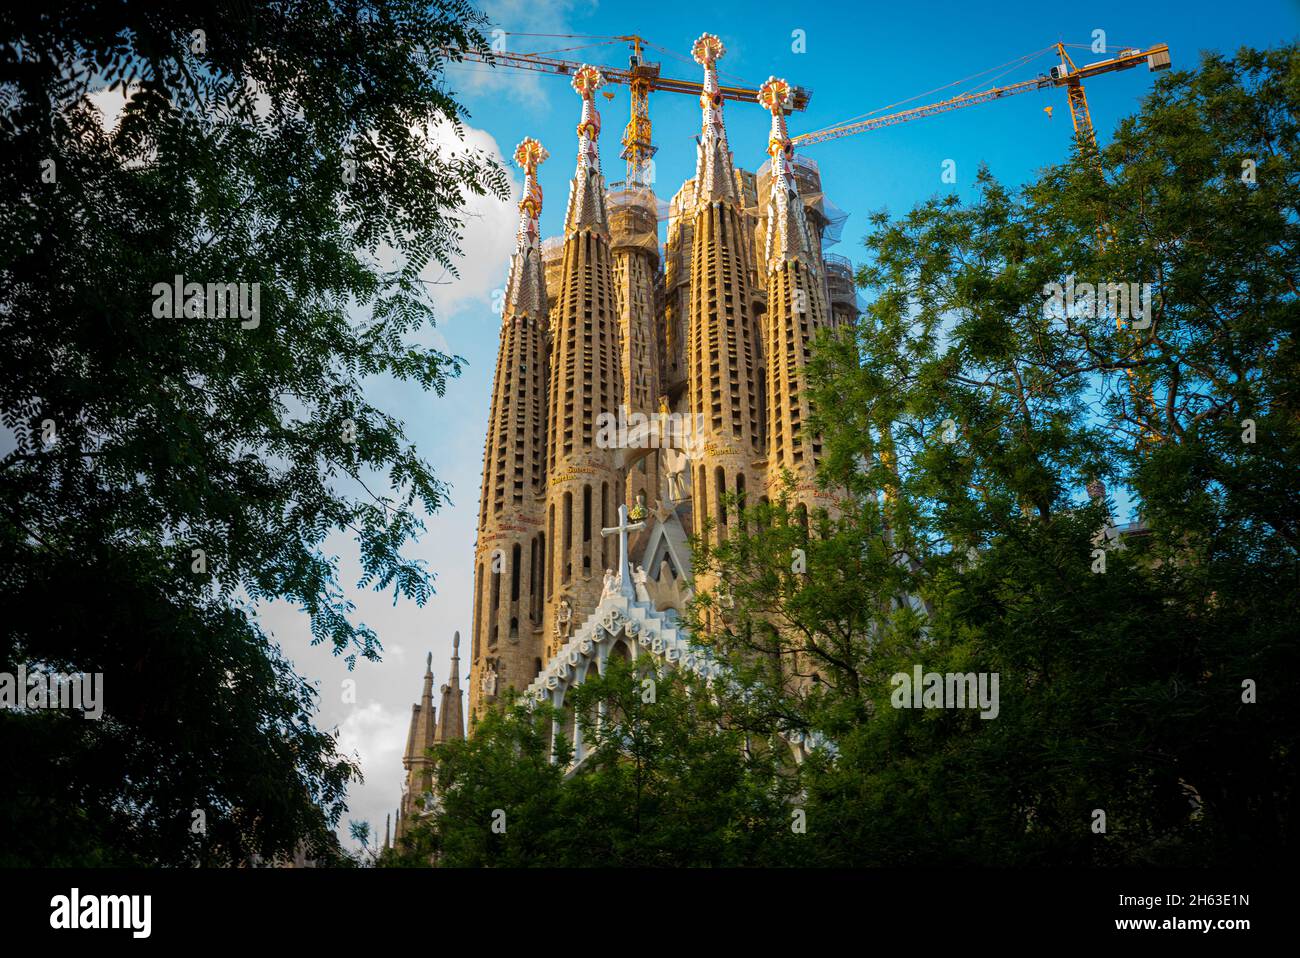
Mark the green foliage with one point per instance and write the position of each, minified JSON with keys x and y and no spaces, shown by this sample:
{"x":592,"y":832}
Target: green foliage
{"x":250,"y":442}
{"x":667,"y":780}
{"x":967,"y":421}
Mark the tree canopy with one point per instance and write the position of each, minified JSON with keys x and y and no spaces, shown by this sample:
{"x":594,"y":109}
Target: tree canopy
{"x":166,"y":465}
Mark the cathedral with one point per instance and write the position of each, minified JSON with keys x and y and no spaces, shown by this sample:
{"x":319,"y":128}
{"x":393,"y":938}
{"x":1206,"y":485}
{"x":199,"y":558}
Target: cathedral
{"x":640,"y":390}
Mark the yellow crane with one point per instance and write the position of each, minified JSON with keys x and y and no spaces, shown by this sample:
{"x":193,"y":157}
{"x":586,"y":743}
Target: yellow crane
{"x":1071,"y":77}
{"x":642,"y":77}
{"x":1065,"y":75}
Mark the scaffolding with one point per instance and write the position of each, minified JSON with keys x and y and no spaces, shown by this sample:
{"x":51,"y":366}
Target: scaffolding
{"x":842,"y":288}
{"x":634,"y":214}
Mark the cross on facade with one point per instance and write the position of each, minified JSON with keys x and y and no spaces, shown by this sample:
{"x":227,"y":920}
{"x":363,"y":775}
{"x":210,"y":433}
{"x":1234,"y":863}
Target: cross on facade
{"x":621,"y":530}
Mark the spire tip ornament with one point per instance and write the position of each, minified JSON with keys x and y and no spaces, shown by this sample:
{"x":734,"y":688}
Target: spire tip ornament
{"x":587,"y":80}
{"x":587,"y":191}
{"x":708,"y":50}
{"x":713,"y":176}
{"x":788,"y":236}
{"x":776,"y":94}
{"x":525,"y":288}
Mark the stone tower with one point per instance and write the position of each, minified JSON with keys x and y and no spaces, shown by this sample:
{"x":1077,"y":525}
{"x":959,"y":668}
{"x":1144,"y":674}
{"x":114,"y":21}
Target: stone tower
{"x":634,"y":241}
{"x":451,"y":715}
{"x":510,"y":554}
{"x":796,"y":310}
{"x":722,"y":364}
{"x":583,"y":485}
{"x":425,"y":734}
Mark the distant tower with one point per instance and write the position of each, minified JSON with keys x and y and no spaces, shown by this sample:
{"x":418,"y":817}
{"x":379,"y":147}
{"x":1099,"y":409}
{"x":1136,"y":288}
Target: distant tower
{"x":583,"y":487}
{"x":425,"y":734}
{"x":797,"y":309}
{"x":721,"y":360}
{"x":417,"y":761}
{"x":451,"y":714}
{"x":510,"y":555}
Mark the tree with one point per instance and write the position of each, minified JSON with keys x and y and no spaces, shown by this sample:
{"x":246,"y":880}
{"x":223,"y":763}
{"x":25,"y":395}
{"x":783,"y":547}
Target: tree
{"x":667,"y":780}
{"x":166,"y":469}
{"x":973,"y":407}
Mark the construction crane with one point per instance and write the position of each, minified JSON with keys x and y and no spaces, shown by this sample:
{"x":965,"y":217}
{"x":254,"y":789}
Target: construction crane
{"x":1071,"y":77}
{"x":1065,"y":75}
{"x":642,"y":77}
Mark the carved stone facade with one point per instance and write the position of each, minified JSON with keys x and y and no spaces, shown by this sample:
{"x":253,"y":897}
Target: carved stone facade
{"x":700,"y":347}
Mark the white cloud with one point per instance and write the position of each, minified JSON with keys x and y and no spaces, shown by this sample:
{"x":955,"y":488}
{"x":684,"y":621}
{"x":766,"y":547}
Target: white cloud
{"x":375,"y":735}
{"x":489,"y":231}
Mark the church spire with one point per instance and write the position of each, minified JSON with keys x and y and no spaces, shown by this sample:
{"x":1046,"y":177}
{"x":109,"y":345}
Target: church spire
{"x":526,"y":288}
{"x":787,"y":226}
{"x":797,"y":309}
{"x":587,"y":192}
{"x":452,"y":724}
{"x":714,"y":181}
{"x":586,"y":382}
{"x":425,"y":721}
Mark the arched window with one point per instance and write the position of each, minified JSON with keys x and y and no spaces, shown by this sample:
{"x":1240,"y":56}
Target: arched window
{"x":532,"y":577}
{"x":586,"y":531}
{"x":550,"y":569}
{"x":604,"y":524}
{"x":566,"y":570}
{"x":702,"y":507}
{"x":478,"y":608}
{"x":720,"y":479}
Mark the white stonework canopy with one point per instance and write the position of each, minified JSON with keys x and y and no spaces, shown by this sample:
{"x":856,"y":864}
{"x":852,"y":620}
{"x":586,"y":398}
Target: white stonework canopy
{"x":619,"y":617}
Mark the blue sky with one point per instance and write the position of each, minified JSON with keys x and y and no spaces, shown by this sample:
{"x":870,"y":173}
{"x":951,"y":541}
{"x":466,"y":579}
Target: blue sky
{"x":858,"y":58}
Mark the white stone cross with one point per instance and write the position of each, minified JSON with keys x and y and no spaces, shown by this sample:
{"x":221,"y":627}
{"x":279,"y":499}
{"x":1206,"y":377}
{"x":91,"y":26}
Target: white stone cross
{"x":621,"y":530}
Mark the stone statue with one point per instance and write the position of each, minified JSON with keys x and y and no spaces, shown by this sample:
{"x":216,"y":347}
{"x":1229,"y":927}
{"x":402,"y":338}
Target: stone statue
{"x":563,"y":619}
{"x":675,"y":462}
{"x":639,"y":583}
{"x":611,"y":584}
{"x":489,"y":680}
